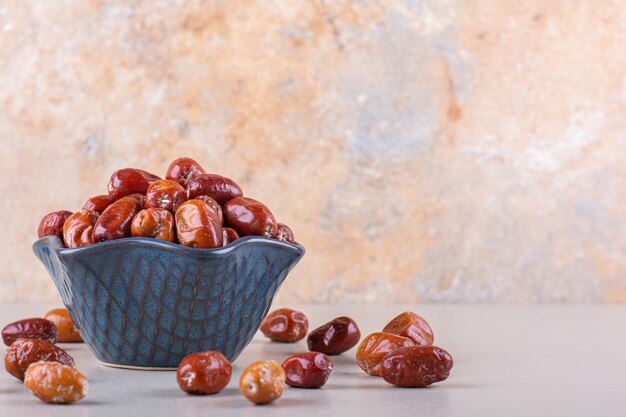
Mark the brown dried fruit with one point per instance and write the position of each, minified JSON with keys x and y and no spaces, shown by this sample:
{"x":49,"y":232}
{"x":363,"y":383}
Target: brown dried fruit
{"x":165,"y":194}
{"x":98,"y":203}
{"x":154,"y":222}
{"x":220,"y":188}
{"x":230,"y":235}
{"x":250,"y":217}
{"x":198,"y":226}
{"x":262,"y":382}
{"x":24,"y":352}
{"x":55,"y":383}
{"x":78,"y":229}
{"x":285,"y":325}
{"x":52,"y":224}
{"x":33,"y":328}
{"x":213,"y":204}
{"x":335,"y":337}
{"x":204,"y":373}
{"x":416,"y":366}
{"x":182,"y":170}
{"x":129,"y":181}
{"x":413,"y":326}
{"x":66,"y":329}
{"x":307,"y":370}
{"x":285,"y":234}
{"x":115,"y":221}
{"x":375,"y":347}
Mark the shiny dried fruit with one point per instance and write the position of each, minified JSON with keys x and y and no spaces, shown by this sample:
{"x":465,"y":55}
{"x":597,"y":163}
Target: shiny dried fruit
{"x":198,"y":226}
{"x":154,"y":222}
{"x":307,"y":370}
{"x":262,"y":382}
{"x":33,"y":328}
{"x":24,"y":352}
{"x":416,"y":366}
{"x":115,"y":221}
{"x":204,"y":373}
{"x":52,"y":224}
{"x":413,"y":326}
{"x":334,"y":337}
{"x":284,"y":234}
{"x":66,"y":329}
{"x":375,"y":347}
{"x":165,"y":194}
{"x":213,"y":204}
{"x":285,"y":325}
{"x":55,"y":383}
{"x":221,"y":189}
{"x":230,"y":235}
{"x":98,"y":203}
{"x":184,"y":169}
{"x":250,"y":217}
{"x":129,"y":181}
{"x":78,"y":229}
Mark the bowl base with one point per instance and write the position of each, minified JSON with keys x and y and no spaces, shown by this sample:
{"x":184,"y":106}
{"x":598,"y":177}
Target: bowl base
{"x":137,"y":368}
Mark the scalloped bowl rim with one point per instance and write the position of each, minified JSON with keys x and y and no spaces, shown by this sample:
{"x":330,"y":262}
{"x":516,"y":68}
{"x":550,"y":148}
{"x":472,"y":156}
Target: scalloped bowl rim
{"x":169,"y":246}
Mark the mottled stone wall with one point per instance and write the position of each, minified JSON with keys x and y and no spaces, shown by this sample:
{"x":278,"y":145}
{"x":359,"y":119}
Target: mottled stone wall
{"x":422,"y":150}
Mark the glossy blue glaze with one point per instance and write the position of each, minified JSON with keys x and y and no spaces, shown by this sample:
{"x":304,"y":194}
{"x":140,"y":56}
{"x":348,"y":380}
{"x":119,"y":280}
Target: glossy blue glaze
{"x":148,"y":303}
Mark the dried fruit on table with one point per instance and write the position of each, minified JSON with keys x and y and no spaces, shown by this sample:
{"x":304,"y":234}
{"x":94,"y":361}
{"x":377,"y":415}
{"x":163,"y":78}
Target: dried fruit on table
{"x":285,"y":325}
{"x":416,"y":366}
{"x":262,"y":382}
{"x":204,"y":373}
{"x":55,"y":383}
{"x":24,"y":352}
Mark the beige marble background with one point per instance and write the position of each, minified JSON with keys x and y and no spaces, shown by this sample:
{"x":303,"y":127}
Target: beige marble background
{"x":421,"y":150}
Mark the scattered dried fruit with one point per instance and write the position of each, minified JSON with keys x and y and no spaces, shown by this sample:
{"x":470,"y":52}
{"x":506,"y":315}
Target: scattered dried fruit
{"x":375,"y":347}
{"x":204,"y":373}
{"x":66,"y":329}
{"x":24,"y":352}
{"x":307,"y":370}
{"x":413,"y":326}
{"x":33,"y":328}
{"x":334,"y":337}
{"x":285,"y":325}
{"x":416,"y":366}
{"x":262,"y":382}
{"x":55,"y":383}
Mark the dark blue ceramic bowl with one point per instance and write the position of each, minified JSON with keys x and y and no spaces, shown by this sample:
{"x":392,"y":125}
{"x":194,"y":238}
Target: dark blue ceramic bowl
{"x":147,"y":303}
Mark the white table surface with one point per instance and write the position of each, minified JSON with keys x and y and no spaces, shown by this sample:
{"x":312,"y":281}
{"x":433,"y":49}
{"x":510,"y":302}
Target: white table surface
{"x":509,"y":361}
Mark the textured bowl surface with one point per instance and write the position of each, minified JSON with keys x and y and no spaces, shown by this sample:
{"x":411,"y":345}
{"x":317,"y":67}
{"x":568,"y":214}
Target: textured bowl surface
{"x":142,"y":302}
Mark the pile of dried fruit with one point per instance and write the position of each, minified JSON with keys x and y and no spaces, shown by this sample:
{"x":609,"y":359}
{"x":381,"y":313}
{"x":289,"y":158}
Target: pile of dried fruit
{"x":403,"y":354}
{"x":189,"y":206}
